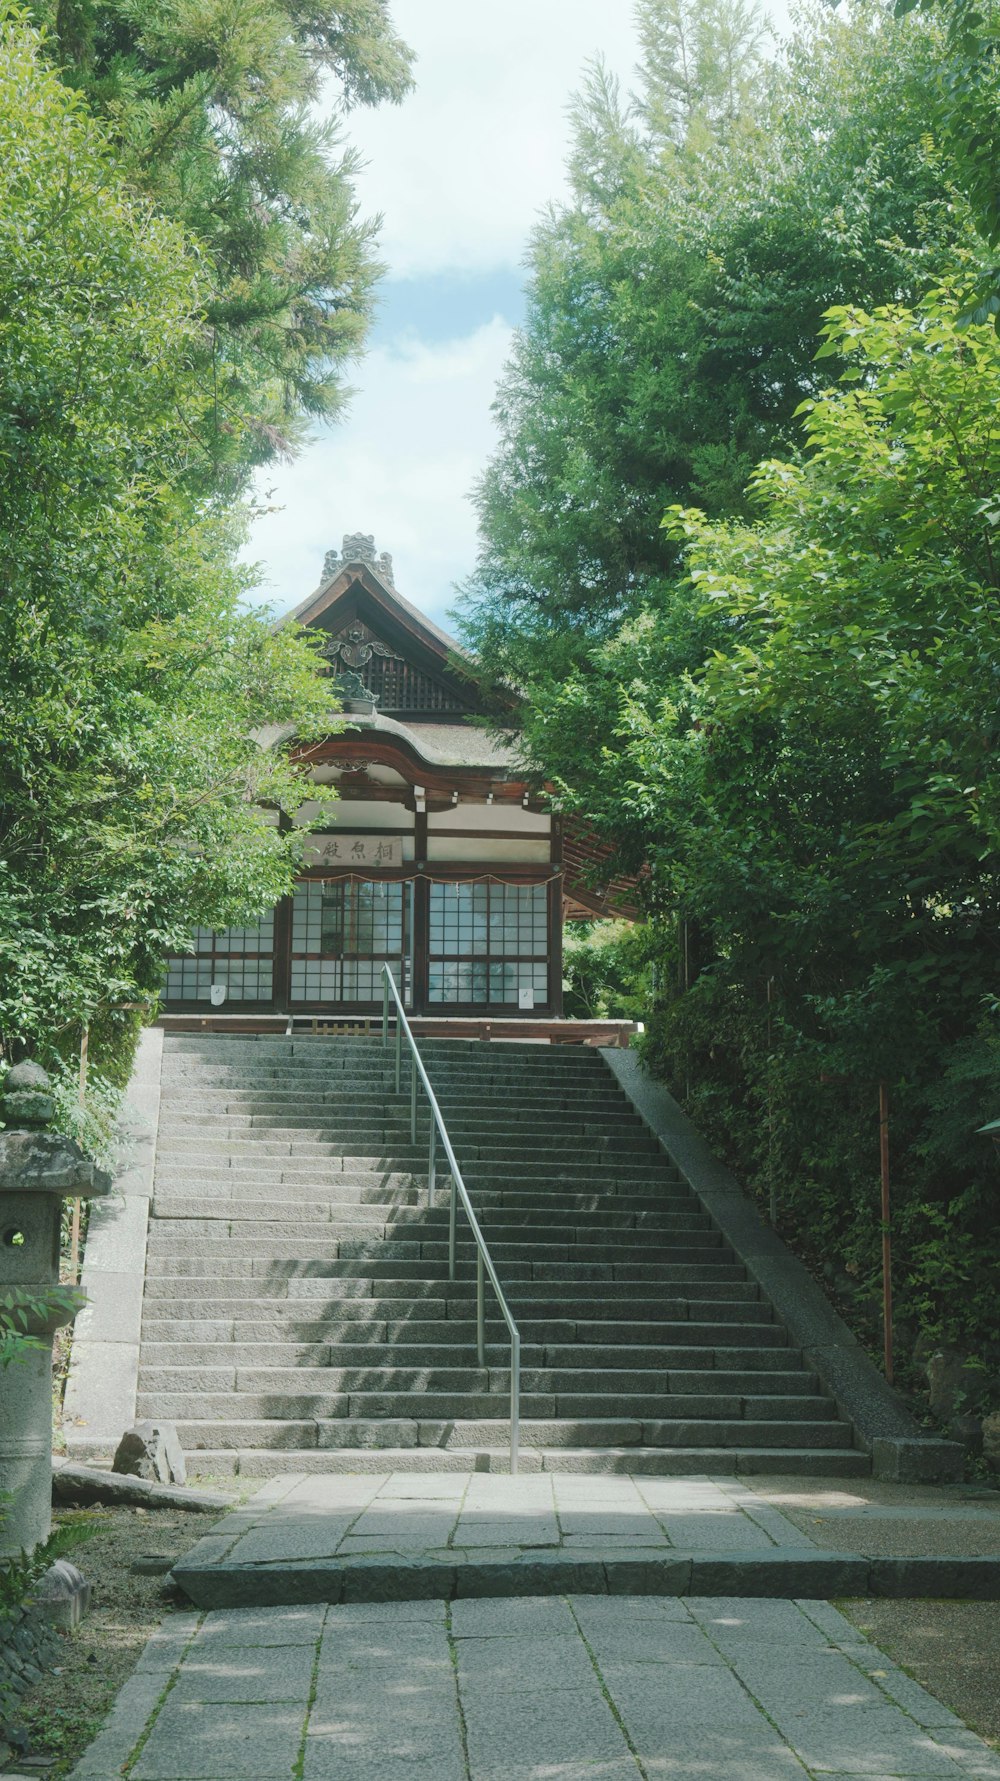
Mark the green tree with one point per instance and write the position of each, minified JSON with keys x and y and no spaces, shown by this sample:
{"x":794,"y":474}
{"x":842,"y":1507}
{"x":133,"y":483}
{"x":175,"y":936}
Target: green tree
{"x":822,"y":796}
{"x":700,"y":59}
{"x":212,"y":107}
{"x":134,"y":799}
{"x":964,"y":104}
{"x":673,"y":307}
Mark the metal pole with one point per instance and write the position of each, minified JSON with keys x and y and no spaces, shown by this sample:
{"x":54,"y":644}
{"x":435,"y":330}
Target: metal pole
{"x":399,"y":1048}
{"x":385,"y":1010}
{"x":515,"y":1401}
{"x":883,"y":1133}
{"x":480,"y":1308}
{"x":413,"y":1099}
{"x":431,"y":1163}
{"x":452,"y":1215}
{"x":772,"y":1191}
{"x":74,"y":1239}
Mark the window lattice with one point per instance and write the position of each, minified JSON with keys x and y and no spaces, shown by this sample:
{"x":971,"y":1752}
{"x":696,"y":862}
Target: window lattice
{"x":342,"y":934}
{"x":241,"y":958}
{"x":488,"y":942}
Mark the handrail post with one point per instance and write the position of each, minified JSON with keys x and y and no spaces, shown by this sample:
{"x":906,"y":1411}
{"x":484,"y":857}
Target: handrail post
{"x":515,"y":1401}
{"x":484,"y":1263}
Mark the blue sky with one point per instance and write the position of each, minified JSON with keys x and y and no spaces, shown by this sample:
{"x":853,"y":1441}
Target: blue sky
{"x":459,"y":174}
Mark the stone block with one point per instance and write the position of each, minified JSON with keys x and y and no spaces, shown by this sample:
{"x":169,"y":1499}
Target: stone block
{"x":100,"y":1393}
{"x":151,"y":1450}
{"x":821,"y":1575}
{"x":397,"y":1579}
{"x":63,"y":1594}
{"x":648,"y":1576}
{"x":904,"y":1461}
{"x":113,"y":1312}
{"x":76,"y":1486}
{"x":532,"y":1576}
{"x":966,"y":1579}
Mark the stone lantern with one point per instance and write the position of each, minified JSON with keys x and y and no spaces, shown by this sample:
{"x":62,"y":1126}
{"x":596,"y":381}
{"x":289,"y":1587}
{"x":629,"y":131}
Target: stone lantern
{"x":38,"y":1169}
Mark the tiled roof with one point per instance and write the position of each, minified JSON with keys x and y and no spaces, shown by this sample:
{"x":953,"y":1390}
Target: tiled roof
{"x":445,"y":745}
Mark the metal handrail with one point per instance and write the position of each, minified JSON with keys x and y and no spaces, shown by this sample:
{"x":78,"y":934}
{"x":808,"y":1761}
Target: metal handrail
{"x":484,"y":1261}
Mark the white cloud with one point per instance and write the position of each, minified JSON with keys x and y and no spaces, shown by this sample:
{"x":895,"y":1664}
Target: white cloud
{"x":462,"y":168}
{"x":461,"y":171}
{"x":418,"y":435}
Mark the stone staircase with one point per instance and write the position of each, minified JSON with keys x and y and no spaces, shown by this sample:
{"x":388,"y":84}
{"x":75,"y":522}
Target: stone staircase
{"x":298,"y":1313}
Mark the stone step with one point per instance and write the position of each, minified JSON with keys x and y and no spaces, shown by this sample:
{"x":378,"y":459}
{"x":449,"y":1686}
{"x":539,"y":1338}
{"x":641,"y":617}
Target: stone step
{"x":284,"y":1248}
{"x":482,"y":1173}
{"x":372,"y":1185}
{"x":607,"y":1280}
{"x":379,"y":1100}
{"x":324,"y":1052}
{"x":543,"y":1368}
{"x":368,"y":1186}
{"x":442,"y":1430}
{"x":293,"y":1245}
{"x":301,"y":1124}
{"x":351,"y":1113}
{"x":444,"y":1392}
{"x":358,"y":1322}
{"x":187,"y":1212}
{"x":387,"y":1372}
{"x":560,"y":1151}
{"x":305,"y":1077}
{"x":297,"y":1296}
{"x":216,"y":1341}
{"x":649,"y":1462}
{"x":630,"y":1183}
{"x":192,"y":1299}
{"x":242,"y":1095}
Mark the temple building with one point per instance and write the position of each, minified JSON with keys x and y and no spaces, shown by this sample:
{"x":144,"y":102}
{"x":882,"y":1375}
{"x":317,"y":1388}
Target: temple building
{"x":438,"y":857}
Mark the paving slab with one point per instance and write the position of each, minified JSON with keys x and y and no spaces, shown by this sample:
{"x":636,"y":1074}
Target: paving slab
{"x":391,"y":1536}
{"x":574,"y":1687}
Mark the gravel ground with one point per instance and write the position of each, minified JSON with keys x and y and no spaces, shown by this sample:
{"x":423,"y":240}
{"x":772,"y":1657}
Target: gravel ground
{"x":64,"y":1712}
{"x":951,"y":1648}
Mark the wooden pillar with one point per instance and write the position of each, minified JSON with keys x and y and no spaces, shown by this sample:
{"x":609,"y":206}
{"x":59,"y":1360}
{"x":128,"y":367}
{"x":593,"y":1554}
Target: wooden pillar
{"x":421,"y":915}
{"x":556,"y":922}
{"x":282,"y":968}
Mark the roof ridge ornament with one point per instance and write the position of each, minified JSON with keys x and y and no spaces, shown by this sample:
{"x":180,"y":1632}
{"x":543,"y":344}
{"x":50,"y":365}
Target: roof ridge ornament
{"x":354,"y":696}
{"x":358,"y":547}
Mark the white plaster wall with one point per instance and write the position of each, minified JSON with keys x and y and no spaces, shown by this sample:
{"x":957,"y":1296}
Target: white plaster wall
{"x":360,"y":813}
{"x":510,"y":817}
{"x":454,"y":847}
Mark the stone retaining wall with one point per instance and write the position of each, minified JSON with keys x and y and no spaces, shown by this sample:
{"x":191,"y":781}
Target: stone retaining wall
{"x":29,"y":1645}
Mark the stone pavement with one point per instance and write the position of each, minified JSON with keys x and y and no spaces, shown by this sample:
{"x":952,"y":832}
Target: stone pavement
{"x":571,"y":1688}
{"x":316,"y":1537}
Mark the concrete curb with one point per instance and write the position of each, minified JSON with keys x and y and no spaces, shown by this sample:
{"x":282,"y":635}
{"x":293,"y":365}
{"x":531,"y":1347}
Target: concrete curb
{"x":104,"y":1364}
{"x":883,"y":1426}
{"x":791,"y":1575}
